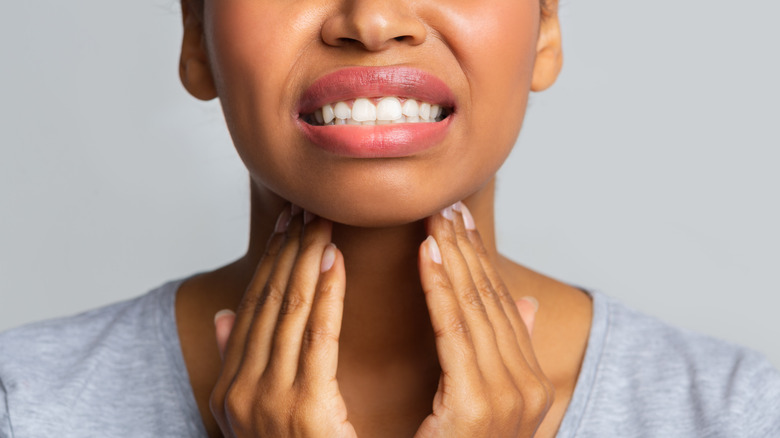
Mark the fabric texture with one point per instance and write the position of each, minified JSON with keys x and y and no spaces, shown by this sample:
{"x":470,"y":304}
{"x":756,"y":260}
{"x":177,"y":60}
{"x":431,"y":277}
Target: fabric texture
{"x":118,"y":371}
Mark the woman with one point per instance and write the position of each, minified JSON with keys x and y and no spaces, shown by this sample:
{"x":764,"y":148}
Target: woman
{"x":429,"y":340}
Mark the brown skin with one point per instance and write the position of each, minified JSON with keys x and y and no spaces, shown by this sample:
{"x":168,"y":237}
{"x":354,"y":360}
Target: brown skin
{"x":491,"y":54}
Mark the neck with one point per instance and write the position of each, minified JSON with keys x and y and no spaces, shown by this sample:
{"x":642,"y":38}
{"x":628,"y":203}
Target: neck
{"x":385,"y":316}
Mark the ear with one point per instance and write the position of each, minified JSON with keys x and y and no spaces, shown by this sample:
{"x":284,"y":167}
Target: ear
{"x":194,"y":67}
{"x":549,"y":54}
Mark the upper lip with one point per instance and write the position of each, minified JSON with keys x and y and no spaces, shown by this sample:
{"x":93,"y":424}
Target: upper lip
{"x":355,"y":82}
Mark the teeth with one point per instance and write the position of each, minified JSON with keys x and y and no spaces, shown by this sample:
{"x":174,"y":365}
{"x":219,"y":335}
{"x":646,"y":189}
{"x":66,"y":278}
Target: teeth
{"x":388,"y":108}
{"x":327,"y":114}
{"x":411,"y":108}
{"x":342,"y":111}
{"x":364,"y":111}
{"x":425,"y":111}
{"x":435,"y":111}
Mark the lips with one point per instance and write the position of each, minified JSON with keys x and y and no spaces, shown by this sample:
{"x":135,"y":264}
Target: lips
{"x":374,"y":83}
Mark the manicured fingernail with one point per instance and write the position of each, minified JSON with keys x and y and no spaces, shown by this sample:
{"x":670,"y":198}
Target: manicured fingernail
{"x":328,"y":258}
{"x":295,"y":210}
{"x":468,"y":219}
{"x":447,"y":213}
{"x":433,"y":250}
{"x":283,"y":221}
{"x":308,"y":216}
{"x":534,"y":302}
{"x":458,"y":206}
{"x":221,"y":313}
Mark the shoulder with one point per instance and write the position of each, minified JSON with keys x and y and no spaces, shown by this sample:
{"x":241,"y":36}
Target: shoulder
{"x":94,"y":373}
{"x":641,"y":374}
{"x":64,"y":343}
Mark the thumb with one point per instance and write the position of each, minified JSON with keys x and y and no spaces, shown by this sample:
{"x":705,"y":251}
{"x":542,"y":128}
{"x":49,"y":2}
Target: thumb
{"x":527,"y":307}
{"x":223,"y":324}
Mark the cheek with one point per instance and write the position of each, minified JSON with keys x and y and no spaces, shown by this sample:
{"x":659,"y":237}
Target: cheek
{"x":255,"y":47}
{"x":495,"y":43}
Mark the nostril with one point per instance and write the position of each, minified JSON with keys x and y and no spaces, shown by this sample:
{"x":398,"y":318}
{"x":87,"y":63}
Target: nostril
{"x":349,"y":41}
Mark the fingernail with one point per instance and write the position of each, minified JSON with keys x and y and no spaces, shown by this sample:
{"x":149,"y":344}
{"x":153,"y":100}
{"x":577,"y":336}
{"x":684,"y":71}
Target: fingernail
{"x":283,"y":221}
{"x":447,"y":213}
{"x":295,"y":210}
{"x":468,"y":219}
{"x":308,"y":216}
{"x":328,"y":258}
{"x":458,"y":206}
{"x":221,"y":313}
{"x":433,"y":249}
{"x":534,"y":302}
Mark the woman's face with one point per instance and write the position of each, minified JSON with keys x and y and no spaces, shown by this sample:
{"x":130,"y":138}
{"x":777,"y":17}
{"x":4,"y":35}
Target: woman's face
{"x":279,"y":67}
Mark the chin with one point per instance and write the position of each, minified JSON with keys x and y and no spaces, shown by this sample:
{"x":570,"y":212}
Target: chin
{"x":374,"y":208}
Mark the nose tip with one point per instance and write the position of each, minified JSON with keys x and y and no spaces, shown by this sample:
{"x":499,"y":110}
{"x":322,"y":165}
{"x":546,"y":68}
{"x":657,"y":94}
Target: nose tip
{"x":374,"y":25}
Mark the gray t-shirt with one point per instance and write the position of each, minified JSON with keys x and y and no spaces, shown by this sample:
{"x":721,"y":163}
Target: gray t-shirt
{"x":119,"y":372}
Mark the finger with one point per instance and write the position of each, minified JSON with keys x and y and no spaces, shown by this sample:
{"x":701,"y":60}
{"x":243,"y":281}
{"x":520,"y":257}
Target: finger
{"x":454,"y":344}
{"x":258,"y":344}
{"x":234,"y":351}
{"x":507,"y":302}
{"x":442,"y":227}
{"x":320,"y":344}
{"x":223,"y":325}
{"x":247,"y":309}
{"x":527,"y":307}
{"x":505,"y":336}
{"x":299,"y":296}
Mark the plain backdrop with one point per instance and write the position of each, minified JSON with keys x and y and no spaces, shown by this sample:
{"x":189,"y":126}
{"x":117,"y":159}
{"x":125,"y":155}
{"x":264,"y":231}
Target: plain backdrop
{"x":648,"y":172}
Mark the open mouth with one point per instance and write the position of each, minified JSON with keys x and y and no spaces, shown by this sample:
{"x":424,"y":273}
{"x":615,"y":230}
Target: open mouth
{"x":377,"y":111}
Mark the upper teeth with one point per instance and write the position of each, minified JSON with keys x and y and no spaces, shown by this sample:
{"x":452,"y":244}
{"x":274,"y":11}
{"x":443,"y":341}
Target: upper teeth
{"x":386,"y":110}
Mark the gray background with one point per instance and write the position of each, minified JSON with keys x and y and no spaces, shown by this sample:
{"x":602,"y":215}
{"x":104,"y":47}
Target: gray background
{"x":648,"y":172}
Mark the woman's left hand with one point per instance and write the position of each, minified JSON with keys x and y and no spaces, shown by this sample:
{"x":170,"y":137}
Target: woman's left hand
{"x":491,"y":384}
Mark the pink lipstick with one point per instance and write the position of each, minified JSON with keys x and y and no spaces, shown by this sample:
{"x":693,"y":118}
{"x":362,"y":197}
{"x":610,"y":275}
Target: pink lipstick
{"x":376,"y":112}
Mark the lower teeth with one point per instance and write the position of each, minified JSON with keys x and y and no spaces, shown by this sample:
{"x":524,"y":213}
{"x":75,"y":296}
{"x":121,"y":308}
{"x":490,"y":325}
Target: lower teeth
{"x":312,"y":121}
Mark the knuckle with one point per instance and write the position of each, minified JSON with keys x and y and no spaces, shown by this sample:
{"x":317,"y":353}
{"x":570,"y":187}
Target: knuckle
{"x":292,"y":303}
{"x":217,"y":403}
{"x":314,"y":335}
{"x":470,"y":297}
{"x":249,"y":302}
{"x":455,"y":326}
{"x":536,"y":399}
{"x":235,"y":405}
{"x":485,"y":287}
{"x":508,"y":402}
{"x":477,"y":413}
{"x":272,"y":294}
{"x":503,"y":294}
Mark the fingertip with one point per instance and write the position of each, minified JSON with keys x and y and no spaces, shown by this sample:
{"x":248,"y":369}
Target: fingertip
{"x":432,"y":250}
{"x":222,"y":314}
{"x":533,"y":302}
{"x":527,"y":307}
{"x":468,"y":219}
{"x":223,"y":325}
{"x":328,"y":258}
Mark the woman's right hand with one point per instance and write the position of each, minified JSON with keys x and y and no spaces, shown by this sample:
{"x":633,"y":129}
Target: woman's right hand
{"x":280,"y":353}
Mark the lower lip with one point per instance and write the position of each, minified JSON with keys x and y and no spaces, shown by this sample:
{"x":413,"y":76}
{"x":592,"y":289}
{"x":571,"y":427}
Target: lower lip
{"x":376,"y":141}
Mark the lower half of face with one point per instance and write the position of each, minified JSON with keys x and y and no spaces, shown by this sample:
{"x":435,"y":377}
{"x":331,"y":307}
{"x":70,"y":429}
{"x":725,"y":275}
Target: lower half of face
{"x":292,"y":79}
